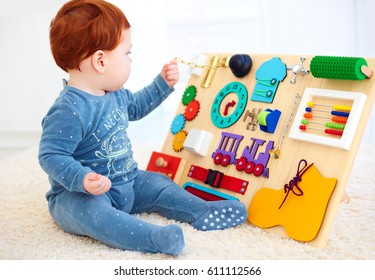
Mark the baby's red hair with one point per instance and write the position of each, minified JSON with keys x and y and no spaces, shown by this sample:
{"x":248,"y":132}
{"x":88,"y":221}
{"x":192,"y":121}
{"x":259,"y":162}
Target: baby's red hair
{"x":82,"y":27}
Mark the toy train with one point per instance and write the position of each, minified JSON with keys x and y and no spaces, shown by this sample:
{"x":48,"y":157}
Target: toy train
{"x":227,"y":150}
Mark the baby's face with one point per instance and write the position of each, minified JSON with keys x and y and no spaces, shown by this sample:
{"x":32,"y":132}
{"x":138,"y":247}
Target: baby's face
{"x":119,"y":66}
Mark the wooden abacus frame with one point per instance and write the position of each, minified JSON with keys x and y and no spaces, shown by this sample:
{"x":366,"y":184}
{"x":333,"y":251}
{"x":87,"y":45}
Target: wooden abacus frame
{"x":331,"y":161}
{"x":356,"y":100}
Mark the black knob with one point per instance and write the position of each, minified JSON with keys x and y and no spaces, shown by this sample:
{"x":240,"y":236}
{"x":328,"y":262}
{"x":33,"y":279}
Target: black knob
{"x":240,"y":64}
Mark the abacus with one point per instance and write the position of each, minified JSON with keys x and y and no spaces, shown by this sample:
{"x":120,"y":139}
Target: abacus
{"x":329,"y":117}
{"x":339,"y":118}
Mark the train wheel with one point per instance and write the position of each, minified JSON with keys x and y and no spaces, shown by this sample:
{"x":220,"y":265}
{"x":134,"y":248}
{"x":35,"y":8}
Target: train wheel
{"x":258,"y":170}
{"x":225,"y":161}
{"x":217,"y":158}
{"x":241,"y":163}
{"x":249,"y":167}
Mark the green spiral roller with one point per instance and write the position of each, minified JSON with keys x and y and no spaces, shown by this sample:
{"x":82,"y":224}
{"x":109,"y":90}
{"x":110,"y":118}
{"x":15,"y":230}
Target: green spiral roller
{"x":339,"y":68}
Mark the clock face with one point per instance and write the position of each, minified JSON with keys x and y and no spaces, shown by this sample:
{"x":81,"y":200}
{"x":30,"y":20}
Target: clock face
{"x":224,"y":115}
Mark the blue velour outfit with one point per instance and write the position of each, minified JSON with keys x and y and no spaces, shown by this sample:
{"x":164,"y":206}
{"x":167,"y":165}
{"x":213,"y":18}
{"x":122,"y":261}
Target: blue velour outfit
{"x":84,"y":133}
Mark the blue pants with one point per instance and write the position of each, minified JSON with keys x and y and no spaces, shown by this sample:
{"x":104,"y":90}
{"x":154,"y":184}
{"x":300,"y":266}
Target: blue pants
{"x":108,"y":217}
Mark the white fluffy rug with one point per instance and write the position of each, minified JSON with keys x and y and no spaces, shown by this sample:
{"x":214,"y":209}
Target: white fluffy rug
{"x":28,"y":232}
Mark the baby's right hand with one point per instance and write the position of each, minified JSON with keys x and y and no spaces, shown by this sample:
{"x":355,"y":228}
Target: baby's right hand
{"x":96,"y":184}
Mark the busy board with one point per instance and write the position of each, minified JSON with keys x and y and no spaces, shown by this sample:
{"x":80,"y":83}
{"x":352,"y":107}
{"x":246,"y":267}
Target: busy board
{"x":279,"y":133}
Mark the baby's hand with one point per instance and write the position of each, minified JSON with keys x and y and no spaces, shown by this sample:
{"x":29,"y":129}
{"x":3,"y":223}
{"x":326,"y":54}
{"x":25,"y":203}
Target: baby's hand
{"x":96,"y":184}
{"x":170,"y":73}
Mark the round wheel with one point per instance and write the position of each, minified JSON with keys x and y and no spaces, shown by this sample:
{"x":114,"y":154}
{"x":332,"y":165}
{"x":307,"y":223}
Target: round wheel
{"x":249,"y":167}
{"x":258,"y":170}
{"x":225,"y":161}
{"x":241,"y":163}
{"x":217,"y":158}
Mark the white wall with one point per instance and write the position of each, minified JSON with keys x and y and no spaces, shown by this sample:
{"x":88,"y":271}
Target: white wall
{"x":29,"y":80}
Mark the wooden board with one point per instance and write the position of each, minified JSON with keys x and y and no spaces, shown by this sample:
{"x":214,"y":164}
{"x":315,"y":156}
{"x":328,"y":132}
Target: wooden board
{"x":333,"y":162}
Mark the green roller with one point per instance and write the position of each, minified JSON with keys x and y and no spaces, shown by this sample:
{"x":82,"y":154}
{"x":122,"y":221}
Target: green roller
{"x":338,"y":67}
{"x":262,"y":117}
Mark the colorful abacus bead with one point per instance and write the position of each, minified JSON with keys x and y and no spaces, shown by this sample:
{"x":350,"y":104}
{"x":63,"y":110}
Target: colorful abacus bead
{"x":327,"y":124}
{"x":335,"y":125}
{"x":303,"y":128}
{"x":339,"y":119}
{"x":335,"y":113}
{"x":341,"y":108}
{"x":334,"y":118}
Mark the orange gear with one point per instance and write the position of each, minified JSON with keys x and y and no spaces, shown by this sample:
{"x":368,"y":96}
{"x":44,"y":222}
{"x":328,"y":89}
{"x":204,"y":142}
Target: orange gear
{"x":192,"y":110}
{"x":179,"y":140}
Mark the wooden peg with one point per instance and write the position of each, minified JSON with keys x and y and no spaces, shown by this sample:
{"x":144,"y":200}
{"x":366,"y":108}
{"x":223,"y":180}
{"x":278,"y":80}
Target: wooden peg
{"x":161,"y":162}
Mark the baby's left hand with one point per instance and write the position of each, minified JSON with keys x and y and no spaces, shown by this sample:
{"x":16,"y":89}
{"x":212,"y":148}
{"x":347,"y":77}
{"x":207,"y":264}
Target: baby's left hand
{"x":170,"y":73}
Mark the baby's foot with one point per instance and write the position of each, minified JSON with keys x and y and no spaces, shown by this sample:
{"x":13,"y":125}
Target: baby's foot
{"x":221,"y":215}
{"x":168,"y":239}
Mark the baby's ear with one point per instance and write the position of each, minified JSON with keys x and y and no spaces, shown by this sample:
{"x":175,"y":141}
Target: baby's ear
{"x":98,"y":61}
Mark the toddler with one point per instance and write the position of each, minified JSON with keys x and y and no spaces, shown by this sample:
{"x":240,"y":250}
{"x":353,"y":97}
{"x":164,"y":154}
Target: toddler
{"x":95,"y":183}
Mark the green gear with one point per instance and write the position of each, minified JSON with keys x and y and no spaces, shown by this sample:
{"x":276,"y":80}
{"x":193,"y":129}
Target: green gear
{"x":189,"y":95}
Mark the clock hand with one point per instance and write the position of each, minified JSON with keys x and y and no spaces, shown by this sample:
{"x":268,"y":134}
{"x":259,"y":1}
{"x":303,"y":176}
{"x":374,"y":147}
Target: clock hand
{"x":227,"y":105}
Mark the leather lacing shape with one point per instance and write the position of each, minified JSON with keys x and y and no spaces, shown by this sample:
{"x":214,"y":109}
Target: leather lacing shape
{"x":293,"y":184}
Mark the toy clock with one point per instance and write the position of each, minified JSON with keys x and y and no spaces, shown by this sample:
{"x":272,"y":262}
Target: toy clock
{"x":233,"y":109}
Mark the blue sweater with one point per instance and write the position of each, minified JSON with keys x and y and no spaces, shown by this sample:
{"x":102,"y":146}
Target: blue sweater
{"x":84,"y":133}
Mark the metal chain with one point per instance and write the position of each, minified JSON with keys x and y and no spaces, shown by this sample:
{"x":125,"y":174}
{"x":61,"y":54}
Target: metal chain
{"x":194,"y":65}
{"x":289,"y":120}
